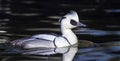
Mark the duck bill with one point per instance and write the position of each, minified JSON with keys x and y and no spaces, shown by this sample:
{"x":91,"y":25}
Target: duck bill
{"x":81,"y":25}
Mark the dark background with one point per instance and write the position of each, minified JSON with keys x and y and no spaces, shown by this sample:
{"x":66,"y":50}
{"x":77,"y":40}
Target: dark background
{"x":28,"y":17}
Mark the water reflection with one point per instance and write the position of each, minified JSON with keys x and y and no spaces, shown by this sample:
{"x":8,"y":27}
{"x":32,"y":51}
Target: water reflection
{"x":3,"y":39}
{"x":104,"y":52}
{"x":44,"y":54}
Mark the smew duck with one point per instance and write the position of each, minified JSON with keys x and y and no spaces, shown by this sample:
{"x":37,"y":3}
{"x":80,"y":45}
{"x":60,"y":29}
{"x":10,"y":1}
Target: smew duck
{"x":68,"y":38}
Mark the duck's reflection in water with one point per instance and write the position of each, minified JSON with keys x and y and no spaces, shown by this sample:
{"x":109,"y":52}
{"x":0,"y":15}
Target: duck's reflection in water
{"x":45,"y":54}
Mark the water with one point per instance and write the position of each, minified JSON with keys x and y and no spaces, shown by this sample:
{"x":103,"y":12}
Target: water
{"x":85,"y":51}
{"x":99,"y":41}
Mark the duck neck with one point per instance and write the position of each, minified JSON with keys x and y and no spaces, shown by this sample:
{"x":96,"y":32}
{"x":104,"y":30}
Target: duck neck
{"x":68,"y":33}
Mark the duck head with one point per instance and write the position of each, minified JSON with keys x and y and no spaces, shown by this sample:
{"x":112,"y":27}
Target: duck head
{"x":71,"y":20}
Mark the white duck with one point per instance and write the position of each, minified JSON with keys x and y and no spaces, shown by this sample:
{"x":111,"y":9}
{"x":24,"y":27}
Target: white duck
{"x":68,"y":38}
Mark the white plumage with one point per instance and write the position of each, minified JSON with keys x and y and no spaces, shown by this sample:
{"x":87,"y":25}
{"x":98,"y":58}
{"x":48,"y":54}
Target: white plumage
{"x":68,"y":38}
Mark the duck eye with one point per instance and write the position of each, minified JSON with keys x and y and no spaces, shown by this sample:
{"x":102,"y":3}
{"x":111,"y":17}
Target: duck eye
{"x":73,"y":22}
{"x":61,"y":19}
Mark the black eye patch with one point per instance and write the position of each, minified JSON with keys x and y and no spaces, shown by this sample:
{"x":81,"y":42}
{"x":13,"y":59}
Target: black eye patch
{"x":61,"y":19}
{"x":73,"y":22}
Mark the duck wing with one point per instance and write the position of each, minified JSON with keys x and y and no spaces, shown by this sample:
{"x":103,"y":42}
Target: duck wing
{"x":19,"y":42}
{"x":38,"y":43}
{"x":40,"y":40}
{"x":49,"y":37}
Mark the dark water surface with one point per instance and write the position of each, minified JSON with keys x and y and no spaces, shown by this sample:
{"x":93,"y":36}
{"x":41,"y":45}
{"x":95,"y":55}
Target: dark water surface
{"x":99,"y":41}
